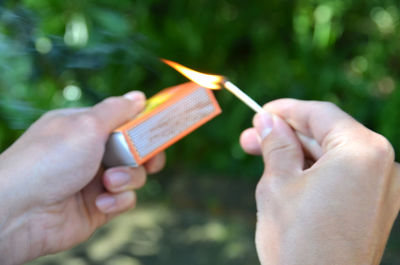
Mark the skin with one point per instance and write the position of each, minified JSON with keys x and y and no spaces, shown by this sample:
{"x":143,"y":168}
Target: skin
{"x":330,"y":189}
{"x":329,"y":193}
{"x":54,"y":192}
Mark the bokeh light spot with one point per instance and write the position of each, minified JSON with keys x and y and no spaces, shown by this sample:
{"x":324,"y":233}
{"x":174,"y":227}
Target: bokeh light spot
{"x":43,"y":45}
{"x":72,"y":93}
{"x":76,"y":32}
{"x":359,"y":64}
{"x":386,"y":85}
{"x":323,"y":14}
{"x":383,"y":20}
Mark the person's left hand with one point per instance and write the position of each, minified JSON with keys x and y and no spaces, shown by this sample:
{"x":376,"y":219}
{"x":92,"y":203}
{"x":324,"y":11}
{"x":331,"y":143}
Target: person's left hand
{"x":53,"y":191}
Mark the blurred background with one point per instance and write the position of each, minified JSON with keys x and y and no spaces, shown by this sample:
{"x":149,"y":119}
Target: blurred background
{"x":200,"y":210}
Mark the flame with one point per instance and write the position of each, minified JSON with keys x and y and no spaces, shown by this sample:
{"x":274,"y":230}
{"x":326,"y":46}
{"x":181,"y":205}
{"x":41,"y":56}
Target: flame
{"x":204,"y":80}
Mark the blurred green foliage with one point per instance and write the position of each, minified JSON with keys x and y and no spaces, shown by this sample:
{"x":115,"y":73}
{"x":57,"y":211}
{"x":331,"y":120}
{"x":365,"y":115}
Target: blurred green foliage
{"x":56,"y":54}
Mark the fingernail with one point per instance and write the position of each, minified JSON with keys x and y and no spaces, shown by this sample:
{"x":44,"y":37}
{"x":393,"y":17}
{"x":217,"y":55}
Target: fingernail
{"x":264,"y":123}
{"x":135,"y":96}
{"x":105,"y":203}
{"x":118,"y":179}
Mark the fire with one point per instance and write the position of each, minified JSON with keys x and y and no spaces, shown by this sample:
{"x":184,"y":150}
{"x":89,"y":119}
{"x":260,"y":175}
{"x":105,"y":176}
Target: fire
{"x":215,"y":82}
{"x":204,"y":80}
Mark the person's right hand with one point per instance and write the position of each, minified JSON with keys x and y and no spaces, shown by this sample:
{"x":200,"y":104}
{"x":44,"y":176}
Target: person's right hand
{"x":330,"y":191}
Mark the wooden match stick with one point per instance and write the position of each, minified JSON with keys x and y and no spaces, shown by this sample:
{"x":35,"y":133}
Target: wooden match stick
{"x":243,"y":96}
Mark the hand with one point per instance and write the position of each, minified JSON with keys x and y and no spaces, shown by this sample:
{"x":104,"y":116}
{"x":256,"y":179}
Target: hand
{"x":53,"y":190}
{"x":330,"y":191}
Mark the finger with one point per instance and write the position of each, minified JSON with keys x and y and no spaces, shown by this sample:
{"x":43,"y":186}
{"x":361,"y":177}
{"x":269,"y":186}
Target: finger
{"x":311,"y":147}
{"x":119,"y":179}
{"x":115,"y":111}
{"x":115,"y":203}
{"x":321,"y":121}
{"x":251,"y":144}
{"x":156,"y":163}
{"x":250,"y":141}
{"x":89,"y":195}
{"x":281,"y":149}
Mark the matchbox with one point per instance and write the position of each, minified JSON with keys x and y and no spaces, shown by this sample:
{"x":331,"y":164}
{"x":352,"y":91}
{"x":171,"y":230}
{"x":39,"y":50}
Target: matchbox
{"x":168,"y":116}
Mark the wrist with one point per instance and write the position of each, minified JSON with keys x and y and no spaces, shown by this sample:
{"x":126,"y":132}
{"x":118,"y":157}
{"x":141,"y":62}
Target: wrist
{"x":19,"y":242}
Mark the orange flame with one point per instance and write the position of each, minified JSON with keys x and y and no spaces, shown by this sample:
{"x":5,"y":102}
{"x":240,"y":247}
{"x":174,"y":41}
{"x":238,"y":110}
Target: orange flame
{"x":204,"y":80}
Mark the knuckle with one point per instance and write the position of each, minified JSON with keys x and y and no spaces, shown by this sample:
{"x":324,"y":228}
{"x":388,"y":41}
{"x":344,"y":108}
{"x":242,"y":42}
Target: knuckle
{"x":52,"y":124}
{"x":381,"y":150}
{"x":374,"y":150}
{"x":327,"y":105}
{"x":270,"y":186}
{"x":112,"y":101}
{"x":87,"y":122}
{"x":49,"y":114}
{"x":263,"y":189}
{"x":52,"y":114}
{"x":275,"y":148}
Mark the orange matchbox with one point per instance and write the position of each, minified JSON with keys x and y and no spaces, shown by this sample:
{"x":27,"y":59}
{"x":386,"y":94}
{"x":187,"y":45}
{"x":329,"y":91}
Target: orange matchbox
{"x":168,"y":116}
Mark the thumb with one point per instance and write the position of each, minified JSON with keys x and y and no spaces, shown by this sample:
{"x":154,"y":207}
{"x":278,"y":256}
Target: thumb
{"x":114,"y":111}
{"x":282,"y":152}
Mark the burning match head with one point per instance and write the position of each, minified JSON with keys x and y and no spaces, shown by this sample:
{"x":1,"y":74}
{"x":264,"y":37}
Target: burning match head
{"x":214,"y":82}
{"x":205,"y":80}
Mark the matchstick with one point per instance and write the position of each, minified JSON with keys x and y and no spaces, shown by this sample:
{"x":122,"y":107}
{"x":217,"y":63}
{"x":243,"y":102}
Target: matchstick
{"x":243,"y":96}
